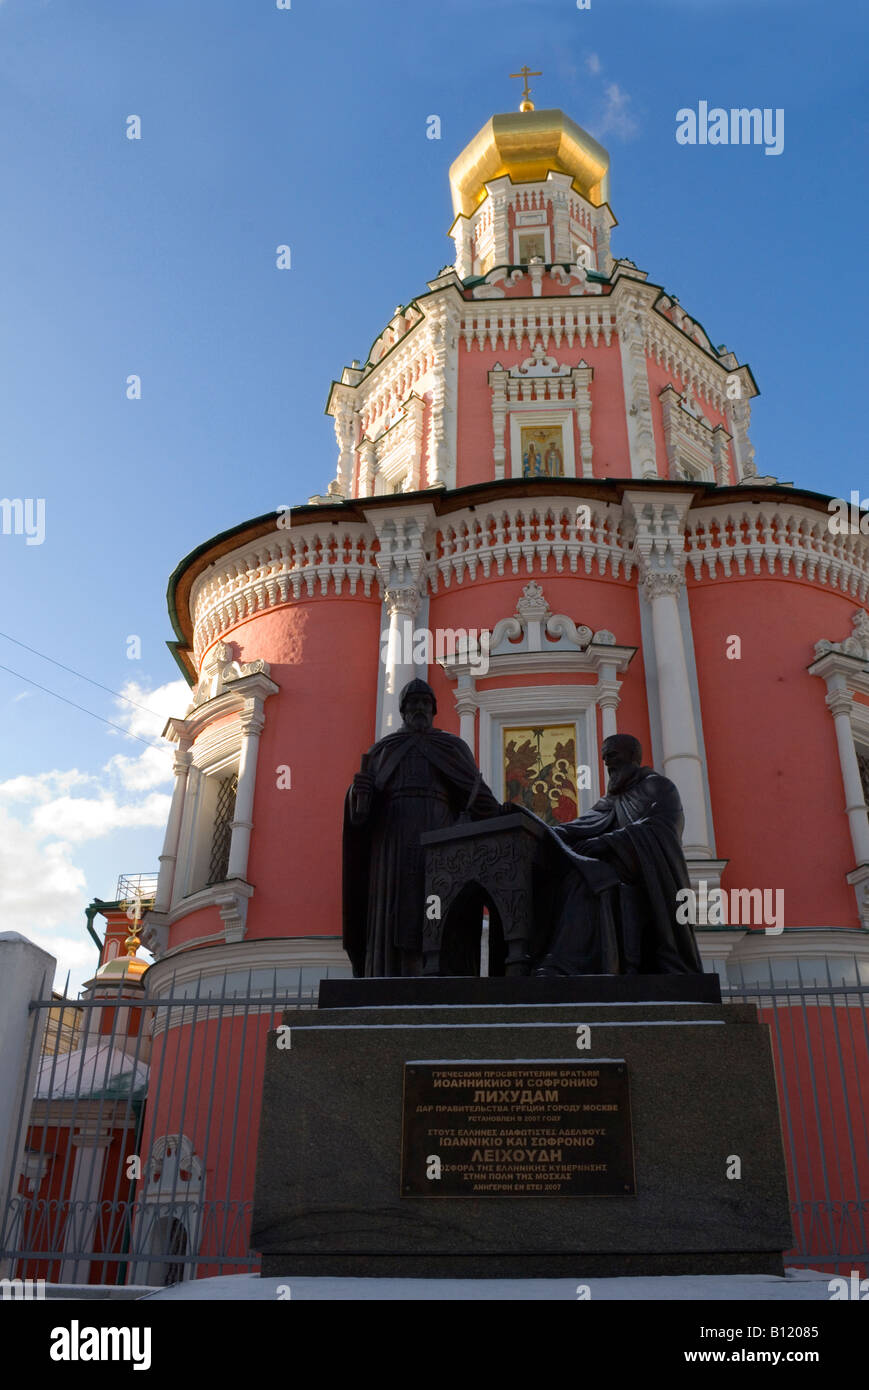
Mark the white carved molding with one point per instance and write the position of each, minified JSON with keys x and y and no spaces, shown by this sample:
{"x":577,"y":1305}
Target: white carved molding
{"x":857,"y":645}
{"x":776,"y":538}
{"x":498,"y":538}
{"x":397,"y":451}
{"x":220,"y":669}
{"x":535,"y":641}
{"x":541,"y":391}
{"x":293,"y":563}
{"x":696,"y":449}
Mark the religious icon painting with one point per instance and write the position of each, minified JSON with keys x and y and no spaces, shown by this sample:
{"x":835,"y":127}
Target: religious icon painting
{"x":530,"y":245}
{"x":542,"y":451}
{"x":540,"y":770}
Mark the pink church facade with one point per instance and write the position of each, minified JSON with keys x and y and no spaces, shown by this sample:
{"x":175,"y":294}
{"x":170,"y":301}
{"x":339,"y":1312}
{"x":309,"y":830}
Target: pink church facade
{"x":547,"y":449}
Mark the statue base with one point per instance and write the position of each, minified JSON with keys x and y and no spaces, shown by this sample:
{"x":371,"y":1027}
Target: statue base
{"x":499,"y":989}
{"x":684,"y":1123}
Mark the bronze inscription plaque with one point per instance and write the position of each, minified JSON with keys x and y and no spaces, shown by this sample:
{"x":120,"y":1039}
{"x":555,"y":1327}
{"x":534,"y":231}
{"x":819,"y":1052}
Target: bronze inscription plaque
{"x":516,"y":1129}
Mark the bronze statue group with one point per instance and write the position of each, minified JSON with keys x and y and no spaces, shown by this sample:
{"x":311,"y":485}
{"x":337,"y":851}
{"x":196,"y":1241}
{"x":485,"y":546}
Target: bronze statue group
{"x":612,"y":876}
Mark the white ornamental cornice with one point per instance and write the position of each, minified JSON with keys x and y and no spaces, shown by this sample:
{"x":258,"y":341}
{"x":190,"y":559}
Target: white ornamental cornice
{"x":296,"y":562}
{"x":511,"y":536}
{"x":519,"y":323}
{"x":777,"y":538}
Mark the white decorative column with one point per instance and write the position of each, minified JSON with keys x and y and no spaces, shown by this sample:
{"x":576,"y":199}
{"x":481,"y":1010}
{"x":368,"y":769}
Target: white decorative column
{"x":844,"y":666}
{"x":498,"y":190}
{"x":498,"y":378}
{"x":466,"y":705}
{"x":603,"y":222}
{"x":403,"y":535}
{"x":582,"y":377}
{"x":169,"y":856}
{"x":90,"y":1144}
{"x":839,"y":702}
{"x":658,"y":548}
{"x":345,"y":431}
{"x":608,"y":699}
{"x":367,"y":467}
{"x":252,"y":722}
{"x":402,"y":606}
{"x":738,"y":416}
{"x":444,"y":316}
{"x":560,"y":189}
{"x":184,"y":866}
{"x":631,"y":309}
{"x":681,"y":760}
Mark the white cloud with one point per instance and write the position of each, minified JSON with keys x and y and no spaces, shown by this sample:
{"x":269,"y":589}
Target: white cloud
{"x":617,"y":118}
{"x":74,"y":819}
{"x":46,"y":816}
{"x":42,"y":787}
{"x":152,"y":766}
{"x":42,"y":888}
{"x":592,"y":62}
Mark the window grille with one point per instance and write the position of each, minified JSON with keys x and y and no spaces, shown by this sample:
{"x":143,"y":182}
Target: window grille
{"x":224,"y":812}
{"x":863,"y":764}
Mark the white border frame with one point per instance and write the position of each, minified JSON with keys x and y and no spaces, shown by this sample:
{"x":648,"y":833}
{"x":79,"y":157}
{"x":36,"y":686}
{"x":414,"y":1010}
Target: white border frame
{"x":534,"y":704}
{"x":533,"y":230}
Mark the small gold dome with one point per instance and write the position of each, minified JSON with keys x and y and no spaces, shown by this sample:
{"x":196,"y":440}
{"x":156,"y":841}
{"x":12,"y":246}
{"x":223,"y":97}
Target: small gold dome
{"x":122,"y":968}
{"x":526,"y":145}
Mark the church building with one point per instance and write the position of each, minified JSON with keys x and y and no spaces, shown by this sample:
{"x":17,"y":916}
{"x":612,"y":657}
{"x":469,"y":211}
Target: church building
{"x":545,"y":502}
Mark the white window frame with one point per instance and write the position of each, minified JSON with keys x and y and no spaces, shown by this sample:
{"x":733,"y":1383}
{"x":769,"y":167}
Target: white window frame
{"x":212,"y":759}
{"x":544,"y":229}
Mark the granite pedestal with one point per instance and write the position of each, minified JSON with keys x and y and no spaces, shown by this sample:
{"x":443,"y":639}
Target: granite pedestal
{"x":328,"y":1197}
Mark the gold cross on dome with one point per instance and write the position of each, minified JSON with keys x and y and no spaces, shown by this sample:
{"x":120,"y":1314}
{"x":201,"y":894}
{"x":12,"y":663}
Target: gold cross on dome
{"x":526,"y":104}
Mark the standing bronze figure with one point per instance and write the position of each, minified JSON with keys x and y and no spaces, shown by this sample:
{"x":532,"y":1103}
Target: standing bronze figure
{"x":417,"y":779}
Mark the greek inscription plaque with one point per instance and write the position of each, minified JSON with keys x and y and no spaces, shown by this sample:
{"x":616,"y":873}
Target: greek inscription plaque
{"x":517,"y":1129}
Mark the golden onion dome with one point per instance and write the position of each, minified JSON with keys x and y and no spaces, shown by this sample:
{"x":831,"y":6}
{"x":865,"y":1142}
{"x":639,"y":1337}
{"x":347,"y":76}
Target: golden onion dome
{"x":526,"y":145}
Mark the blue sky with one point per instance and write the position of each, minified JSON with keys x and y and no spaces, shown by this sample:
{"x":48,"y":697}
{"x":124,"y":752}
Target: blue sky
{"x":307,"y":127}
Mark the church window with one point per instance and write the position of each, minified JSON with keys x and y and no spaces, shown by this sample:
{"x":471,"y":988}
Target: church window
{"x":222,"y":833}
{"x":531,"y":244}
